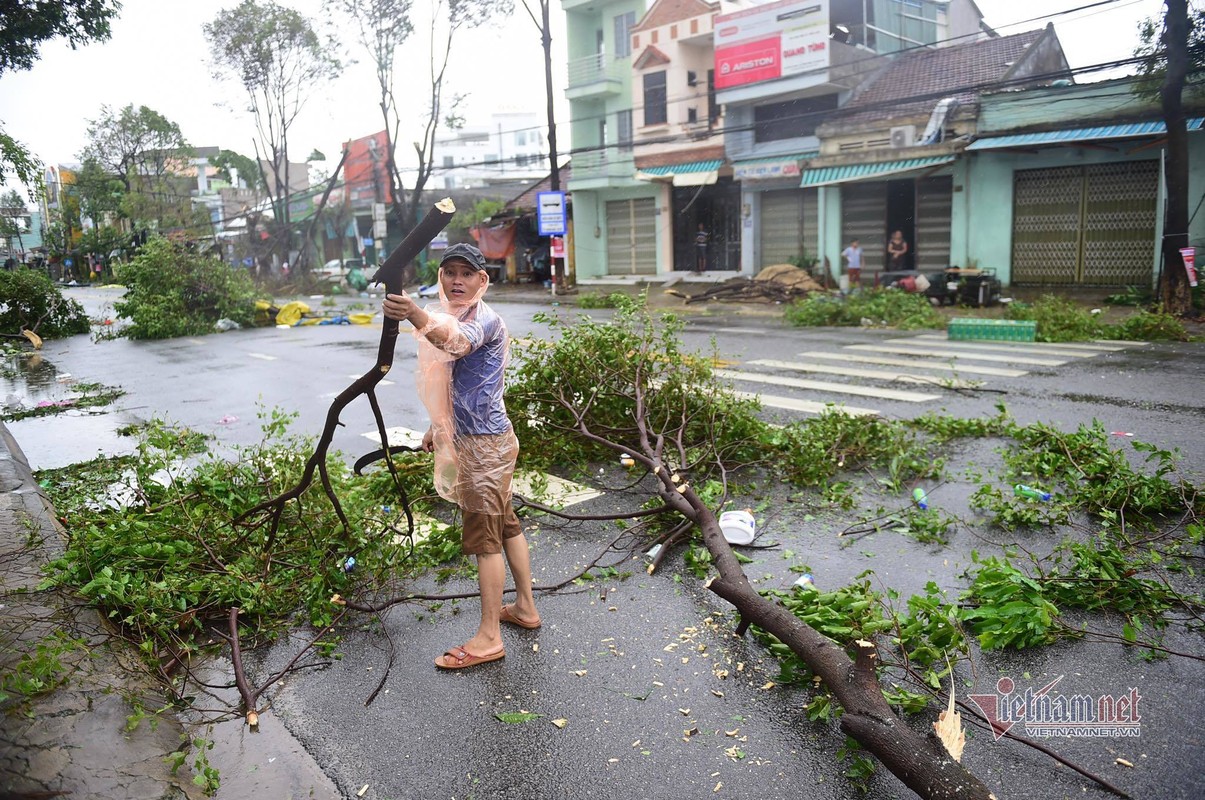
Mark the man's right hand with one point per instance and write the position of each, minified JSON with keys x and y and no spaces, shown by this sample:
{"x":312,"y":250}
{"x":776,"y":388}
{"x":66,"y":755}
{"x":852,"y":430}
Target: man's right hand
{"x":400,"y":307}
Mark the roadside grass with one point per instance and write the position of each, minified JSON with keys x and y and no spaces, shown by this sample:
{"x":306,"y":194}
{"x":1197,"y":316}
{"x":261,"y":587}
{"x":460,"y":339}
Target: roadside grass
{"x":1057,"y":319}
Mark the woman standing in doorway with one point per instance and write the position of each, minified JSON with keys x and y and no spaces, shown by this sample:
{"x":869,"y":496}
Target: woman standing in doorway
{"x":897,"y":251}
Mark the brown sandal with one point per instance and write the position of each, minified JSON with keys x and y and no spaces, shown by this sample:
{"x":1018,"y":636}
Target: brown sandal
{"x":459,"y":658}
{"x":506,"y":616}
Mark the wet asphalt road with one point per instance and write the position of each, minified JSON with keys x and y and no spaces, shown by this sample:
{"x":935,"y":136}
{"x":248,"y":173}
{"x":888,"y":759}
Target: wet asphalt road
{"x":637,"y":675}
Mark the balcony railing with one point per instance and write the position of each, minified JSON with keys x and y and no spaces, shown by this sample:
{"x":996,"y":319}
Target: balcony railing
{"x":608,"y":163}
{"x":596,"y":74}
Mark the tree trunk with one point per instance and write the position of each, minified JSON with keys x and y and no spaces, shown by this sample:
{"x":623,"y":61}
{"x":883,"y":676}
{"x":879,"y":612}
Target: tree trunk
{"x":920,"y":761}
{"x":1175,"y":291}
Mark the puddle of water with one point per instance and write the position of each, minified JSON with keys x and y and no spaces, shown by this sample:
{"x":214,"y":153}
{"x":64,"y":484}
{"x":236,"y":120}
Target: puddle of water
{"x":61,"y":440}
{"x":27,"y":379}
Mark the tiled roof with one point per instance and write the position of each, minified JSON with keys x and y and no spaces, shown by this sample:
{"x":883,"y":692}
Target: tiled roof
{"x":663,"y":12}
{"x":651,"y":57}
{"x":936,"y":73}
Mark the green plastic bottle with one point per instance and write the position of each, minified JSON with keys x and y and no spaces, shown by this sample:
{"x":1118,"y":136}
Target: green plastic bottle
{"x":1021,"y":490}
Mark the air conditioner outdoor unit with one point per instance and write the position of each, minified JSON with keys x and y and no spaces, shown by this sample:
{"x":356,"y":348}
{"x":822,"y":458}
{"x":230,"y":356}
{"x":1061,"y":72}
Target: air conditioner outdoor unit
{"x":903,"y":136}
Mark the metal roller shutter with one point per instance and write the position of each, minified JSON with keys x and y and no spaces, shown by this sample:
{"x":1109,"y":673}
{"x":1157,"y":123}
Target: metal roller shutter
{"x":1047,"y":206}
{"x":864,"y":217}
{"x":781,"y":218}
{"x":933,"y":202}
{"x":1091,"y":225}
{"x":1119,"y":223}
{"x":788,"y":226}
{"x":632,"y":237}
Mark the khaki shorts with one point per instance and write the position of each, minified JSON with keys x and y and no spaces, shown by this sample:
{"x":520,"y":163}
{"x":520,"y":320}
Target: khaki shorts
{"x":483,"y":533}
{"x":486,"y":465}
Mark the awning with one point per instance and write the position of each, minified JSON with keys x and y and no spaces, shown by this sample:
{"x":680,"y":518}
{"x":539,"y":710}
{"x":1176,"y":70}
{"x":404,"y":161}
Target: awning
{"x":769,"y":167}
{"x":692,"y":173}
{"x":1130,"y":130}
{"x":825,"y":176}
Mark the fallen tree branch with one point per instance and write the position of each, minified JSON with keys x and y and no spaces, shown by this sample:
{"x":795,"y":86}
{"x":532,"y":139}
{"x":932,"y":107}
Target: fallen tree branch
{"x":250,"y":695}
{"x":390,"y":273}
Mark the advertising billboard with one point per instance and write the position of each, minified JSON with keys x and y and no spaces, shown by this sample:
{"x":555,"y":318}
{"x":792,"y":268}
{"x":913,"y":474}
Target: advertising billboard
{"x":365,"y":173}
{"x":770,"y":41}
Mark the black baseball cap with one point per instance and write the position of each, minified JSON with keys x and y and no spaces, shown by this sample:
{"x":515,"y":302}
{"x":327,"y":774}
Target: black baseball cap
{"x":466,"y":253}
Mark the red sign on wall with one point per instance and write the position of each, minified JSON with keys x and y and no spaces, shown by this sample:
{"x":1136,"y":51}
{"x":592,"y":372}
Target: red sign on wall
{"x":748,"y":62}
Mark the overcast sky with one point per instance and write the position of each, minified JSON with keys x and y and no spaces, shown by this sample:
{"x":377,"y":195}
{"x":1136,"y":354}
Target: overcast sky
{"x":157,"y":58}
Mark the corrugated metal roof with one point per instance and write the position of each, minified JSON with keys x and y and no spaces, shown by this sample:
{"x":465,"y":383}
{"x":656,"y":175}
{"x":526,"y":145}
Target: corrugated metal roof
{"x":1125,"y":131}
{"x":858,"y":172}
{"x":684,"y":169}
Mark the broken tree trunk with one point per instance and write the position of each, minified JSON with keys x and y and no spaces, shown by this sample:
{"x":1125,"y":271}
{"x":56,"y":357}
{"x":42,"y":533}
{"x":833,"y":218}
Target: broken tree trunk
{"x":918,"y":760}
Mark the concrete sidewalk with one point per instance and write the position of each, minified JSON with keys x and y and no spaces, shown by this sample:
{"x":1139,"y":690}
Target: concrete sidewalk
{"x":71,"y":740}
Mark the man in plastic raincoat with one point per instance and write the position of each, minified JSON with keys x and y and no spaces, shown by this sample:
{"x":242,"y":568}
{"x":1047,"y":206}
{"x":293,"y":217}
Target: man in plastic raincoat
{"x":463,"y":347}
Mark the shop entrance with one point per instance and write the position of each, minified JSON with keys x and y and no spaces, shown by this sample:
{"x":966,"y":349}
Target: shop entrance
{"x":717,"y":208}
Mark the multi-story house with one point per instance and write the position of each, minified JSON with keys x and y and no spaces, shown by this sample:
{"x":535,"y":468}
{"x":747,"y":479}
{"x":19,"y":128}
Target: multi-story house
{"x":889,"y":156}
{"x":511,"y":150}
{"x":615,"y":213}
{"x":678,"y":140}
{"x":693,"y":113}
{"x":820,"y":57}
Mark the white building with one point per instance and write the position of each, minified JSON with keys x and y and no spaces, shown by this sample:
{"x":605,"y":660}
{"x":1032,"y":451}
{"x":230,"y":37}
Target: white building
{"x":513,"y":148}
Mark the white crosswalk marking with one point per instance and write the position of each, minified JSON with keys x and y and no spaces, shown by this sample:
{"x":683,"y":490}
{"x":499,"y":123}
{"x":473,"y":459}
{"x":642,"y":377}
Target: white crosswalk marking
{"x":261,"y":356}
{"x":916,"y":351}
{"x":397,"y":435}
{"x":807,"y":406}
{"x":1106,"y":347}
{"x":873,"y":374}
{"x":826,"y":386}
{"x":1024,"y":348}
{"x":911,"y":363}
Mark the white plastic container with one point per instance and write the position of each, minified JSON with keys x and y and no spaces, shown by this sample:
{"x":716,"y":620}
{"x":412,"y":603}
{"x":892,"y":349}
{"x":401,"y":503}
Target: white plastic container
{"x":738,"y":526}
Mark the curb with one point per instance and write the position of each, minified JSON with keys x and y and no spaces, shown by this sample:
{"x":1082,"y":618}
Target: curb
{"x":73,"y":739}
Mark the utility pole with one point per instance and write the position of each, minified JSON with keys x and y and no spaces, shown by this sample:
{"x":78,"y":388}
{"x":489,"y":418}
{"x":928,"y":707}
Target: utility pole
{"x":1175,"y":292}
{"x":545,"y":26}
{"x":546,"y":40}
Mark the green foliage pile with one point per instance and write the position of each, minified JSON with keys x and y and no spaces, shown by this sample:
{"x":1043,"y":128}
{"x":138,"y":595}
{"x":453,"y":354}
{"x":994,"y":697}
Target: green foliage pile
{"x":1084,"y":473}
{"x":600,"y":299}
{"x":811,"y":452}
{"x":922,"y":635}
{"x":172,"y":291}
{"x":1059,"y":320}
{"x":600,"y":367}
{"x":890,"y":308}
{"x":28,"y":299}
{"x":1148,"y":326}
{"x":152,"y":544}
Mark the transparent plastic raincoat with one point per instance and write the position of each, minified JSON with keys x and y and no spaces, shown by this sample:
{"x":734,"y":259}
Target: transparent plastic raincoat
{"x":460,"y":381}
